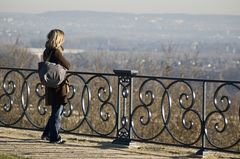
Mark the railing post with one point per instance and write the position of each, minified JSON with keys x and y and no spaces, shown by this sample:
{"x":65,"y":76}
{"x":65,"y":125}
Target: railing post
{"x":124,"y":105}
{"x":203,"y":125}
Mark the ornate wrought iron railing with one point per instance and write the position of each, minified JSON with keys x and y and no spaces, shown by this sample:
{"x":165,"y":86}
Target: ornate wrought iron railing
{"x":197,"y":113}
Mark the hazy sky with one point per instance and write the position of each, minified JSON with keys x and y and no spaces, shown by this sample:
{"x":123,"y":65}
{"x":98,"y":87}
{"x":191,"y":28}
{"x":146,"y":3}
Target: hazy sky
{"x":231,"y":7}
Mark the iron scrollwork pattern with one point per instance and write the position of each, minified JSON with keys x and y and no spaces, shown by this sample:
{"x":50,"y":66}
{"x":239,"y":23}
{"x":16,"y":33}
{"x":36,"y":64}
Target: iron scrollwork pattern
{"x":90,"y":104}
{"x":166,"y":110}
{"x":10,"y":105}
{"x":163,"y":110}
{"x":184,"y":112}
{"x":125,"y":90}
{"x":222,"y":123}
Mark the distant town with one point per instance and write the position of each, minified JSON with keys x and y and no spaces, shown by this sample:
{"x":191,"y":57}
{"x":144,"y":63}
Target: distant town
{"x":208,"y":44}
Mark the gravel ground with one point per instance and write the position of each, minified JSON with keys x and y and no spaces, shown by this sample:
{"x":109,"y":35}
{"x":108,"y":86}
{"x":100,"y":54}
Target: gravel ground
{"x":26,"y":143}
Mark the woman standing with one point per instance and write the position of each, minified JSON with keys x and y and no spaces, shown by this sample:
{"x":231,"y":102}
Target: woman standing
{"x":56,"y":97}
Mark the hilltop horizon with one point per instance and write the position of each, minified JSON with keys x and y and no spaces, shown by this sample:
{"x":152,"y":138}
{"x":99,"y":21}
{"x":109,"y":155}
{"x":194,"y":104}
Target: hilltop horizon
{"x":119,"y":12}
{"x":223,"y":7}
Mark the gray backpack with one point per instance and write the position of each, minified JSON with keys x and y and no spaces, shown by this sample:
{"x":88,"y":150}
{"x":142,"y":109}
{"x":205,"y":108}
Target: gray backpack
{"x":51,"y":74}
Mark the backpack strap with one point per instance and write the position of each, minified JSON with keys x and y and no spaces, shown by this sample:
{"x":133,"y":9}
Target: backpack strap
{"x":49,"y":56}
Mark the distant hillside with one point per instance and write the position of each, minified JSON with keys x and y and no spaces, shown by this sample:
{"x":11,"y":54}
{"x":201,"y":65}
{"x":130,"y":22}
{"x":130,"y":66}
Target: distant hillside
{"x":125,"y":32}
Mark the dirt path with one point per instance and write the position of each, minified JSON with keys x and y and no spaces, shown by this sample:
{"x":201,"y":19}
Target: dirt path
{"x":26,"y":143}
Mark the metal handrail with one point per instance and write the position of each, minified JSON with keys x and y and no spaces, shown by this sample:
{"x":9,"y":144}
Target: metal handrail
{"x":198,"y":113}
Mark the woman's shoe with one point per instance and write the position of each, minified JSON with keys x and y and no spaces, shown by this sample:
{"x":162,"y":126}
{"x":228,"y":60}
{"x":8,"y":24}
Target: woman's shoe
{"x":43,"y":137}
{"x":58,"y":141}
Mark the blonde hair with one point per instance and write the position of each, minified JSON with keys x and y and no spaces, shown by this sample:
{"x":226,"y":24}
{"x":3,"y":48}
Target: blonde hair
{"x":55,"y":38}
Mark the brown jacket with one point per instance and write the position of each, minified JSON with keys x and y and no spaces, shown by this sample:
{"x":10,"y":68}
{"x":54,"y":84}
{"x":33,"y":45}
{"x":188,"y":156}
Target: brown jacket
{"x":56,"y":96}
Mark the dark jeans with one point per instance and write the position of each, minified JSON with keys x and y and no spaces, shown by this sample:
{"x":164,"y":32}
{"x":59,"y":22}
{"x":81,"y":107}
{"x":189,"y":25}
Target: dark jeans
{"x":54,"y":123}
